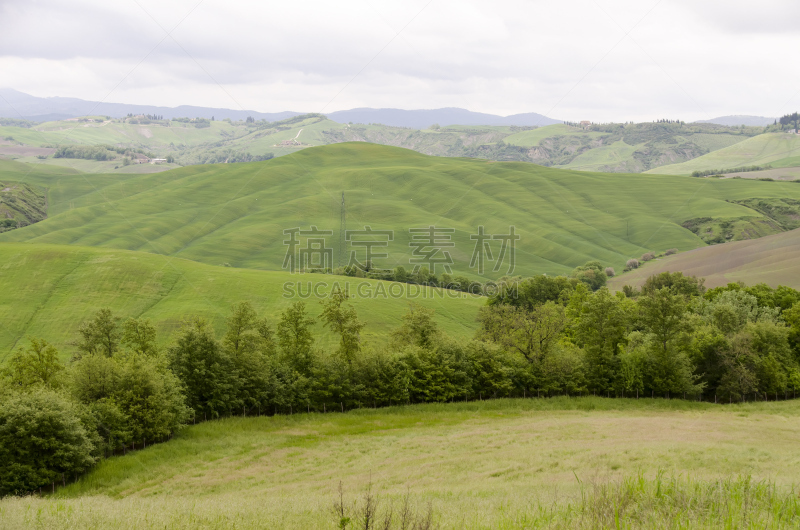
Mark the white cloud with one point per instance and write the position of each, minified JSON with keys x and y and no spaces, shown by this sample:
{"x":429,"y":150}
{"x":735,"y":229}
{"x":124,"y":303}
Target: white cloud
{"x":570,"y":59}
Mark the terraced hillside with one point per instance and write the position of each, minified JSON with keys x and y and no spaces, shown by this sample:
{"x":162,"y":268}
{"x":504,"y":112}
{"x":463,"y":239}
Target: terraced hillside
{"x":236,"y":214}
{"x":48,"y":290}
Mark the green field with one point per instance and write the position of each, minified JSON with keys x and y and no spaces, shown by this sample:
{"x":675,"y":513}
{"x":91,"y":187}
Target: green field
{"x":603,"y":157}
{"x":776,"y":149}
{"x":235,"y":214}
{"x":535,"y":463}
{"x":49,"y":290}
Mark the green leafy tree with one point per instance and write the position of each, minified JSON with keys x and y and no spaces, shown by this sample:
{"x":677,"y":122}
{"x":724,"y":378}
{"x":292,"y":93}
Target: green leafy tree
{"x":770,"y":341}
{"x":739,"y":364}
{"x":139,"y":335}
{"x":204,"y":369}
{"x":563,"y":370}
{"x":249,"y":344}
{"x":42,"y":441}
{"x":295,"y":337}
{"x":100,"y":334}
{"x":792,"y":318}
{"x":731,"y":310}
{"x":706,"y":349}
{"x":632,"y":364}
{"x":132,"y":397}
{"x":529,"y":332}
{"x":534,"y":291}
{"x":592,"y":274}
{"x":662,"y":314}
{"x":676,"y":282}
{"x":38,"y":364}
{"x":601,"y":322}
{"x":419,"y":328}
{"x":431,"y":373}
{"x":150,"y":397}
{"x":668,"y":367}
{"x":343,"y":320}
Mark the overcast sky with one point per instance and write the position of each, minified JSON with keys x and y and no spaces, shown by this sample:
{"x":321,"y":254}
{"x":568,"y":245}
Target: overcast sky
{"x":597,"y":60}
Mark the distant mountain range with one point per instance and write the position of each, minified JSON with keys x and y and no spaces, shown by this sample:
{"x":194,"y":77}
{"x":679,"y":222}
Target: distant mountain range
{"x":16,"y":104}
{"x":421,"y":119}
{"x":740,"y":119}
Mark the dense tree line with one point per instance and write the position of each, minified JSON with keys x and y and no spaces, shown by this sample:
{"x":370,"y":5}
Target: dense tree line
{"x":540,"y":336}
{"x":97,"y":152}
{"x":593,"y":274}
{"x":790,"y":119}
{"x":86,"y":152}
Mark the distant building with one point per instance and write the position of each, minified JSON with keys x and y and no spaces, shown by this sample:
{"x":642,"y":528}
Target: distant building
{"x":158,"y":160}
{"x":585,"y":123}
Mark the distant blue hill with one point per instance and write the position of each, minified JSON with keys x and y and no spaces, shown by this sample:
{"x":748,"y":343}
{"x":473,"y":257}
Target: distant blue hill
{"x":15,"y":104}
{"x":740,"y":119}
{"x":421,"y":119}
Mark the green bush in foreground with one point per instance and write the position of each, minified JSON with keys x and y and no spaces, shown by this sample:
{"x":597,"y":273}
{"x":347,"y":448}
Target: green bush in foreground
{"x":42,"y":441}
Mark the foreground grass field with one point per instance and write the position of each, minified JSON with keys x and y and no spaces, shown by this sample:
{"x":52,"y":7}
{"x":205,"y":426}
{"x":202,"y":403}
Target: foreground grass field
{"x":492,"y":464}
{"x":48,"y":290}
{"x":774,"y":260}
{"x":236,"y":213}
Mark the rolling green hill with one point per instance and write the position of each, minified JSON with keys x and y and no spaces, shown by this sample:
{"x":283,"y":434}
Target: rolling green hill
{"x":48,"y":290}
{"x":236,"y":213}
{"x":776,"y":149}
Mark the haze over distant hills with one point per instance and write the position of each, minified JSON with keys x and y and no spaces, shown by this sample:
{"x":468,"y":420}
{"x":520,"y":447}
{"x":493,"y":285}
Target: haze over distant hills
{"x":423,"y":118}
{"x":740,"y":119}
{"x":18,"y":105}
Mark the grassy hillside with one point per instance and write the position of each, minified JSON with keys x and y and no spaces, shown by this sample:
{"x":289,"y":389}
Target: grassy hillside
{"x":49,"y":290}
{"x":774,"y":260}
{"x":490,"y":464}
{"x":776,"y":149}
{"x":623,"y":147}
{"x":236,"y":213}
{"x":20,"y":204}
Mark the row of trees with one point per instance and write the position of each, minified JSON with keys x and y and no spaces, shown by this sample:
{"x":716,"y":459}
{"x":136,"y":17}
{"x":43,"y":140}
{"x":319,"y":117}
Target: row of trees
{"x":593,"y":274}
{"x":542,"y":336}
{"x":741,"y":169}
